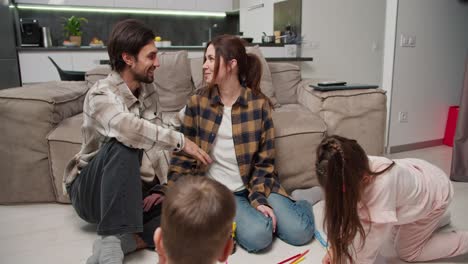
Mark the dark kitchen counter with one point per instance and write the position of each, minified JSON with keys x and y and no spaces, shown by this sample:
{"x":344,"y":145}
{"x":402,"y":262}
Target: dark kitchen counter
{"x":89,"y":48}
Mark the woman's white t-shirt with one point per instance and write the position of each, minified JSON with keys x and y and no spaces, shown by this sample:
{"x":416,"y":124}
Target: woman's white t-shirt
{"x":224,"y":168}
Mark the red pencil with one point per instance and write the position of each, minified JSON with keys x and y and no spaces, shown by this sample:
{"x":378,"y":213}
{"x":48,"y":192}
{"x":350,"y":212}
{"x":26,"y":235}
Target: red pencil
{"x":297,"y":256}
{"x":288,"y":259}
{"x":303,"y":254}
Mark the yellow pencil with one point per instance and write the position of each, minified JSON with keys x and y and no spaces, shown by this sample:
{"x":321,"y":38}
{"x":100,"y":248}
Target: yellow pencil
{"x":298,"y":260}
{"x":234,"y":229}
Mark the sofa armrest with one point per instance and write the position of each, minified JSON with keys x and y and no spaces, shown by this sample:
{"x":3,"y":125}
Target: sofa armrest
{"x":28,"y":115}
{"x":306,"y":97}
{"x":358,"y":114}
{"x":60,"y":99}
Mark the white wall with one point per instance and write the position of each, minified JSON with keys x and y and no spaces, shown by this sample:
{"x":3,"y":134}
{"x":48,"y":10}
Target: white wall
{"x":427,"y":78}
{"x":345,"y":38}
{"x":257,"y":20}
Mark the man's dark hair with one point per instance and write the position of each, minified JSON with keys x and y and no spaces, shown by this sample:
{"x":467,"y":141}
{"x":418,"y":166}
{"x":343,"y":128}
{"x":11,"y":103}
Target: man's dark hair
{"x":128,"y":36}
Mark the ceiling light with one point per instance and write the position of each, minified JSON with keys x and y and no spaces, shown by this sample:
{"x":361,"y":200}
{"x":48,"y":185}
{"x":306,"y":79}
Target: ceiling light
{"x":117,"y":10}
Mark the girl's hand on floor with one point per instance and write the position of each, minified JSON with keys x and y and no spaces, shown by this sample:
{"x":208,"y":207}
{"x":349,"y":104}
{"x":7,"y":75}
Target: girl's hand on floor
{"x":268,"y":212}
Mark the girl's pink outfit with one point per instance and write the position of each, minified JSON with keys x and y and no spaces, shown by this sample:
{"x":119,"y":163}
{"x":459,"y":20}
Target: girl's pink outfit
{"x":410,"y":200}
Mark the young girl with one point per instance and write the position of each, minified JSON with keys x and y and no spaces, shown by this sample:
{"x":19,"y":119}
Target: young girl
{"x":369,"y":197}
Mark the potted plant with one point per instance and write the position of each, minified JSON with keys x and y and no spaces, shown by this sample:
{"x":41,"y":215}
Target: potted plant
{"x":72,"y":28}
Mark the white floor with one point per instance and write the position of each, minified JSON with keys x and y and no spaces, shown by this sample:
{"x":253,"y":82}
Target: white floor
{"x":53,"y":233}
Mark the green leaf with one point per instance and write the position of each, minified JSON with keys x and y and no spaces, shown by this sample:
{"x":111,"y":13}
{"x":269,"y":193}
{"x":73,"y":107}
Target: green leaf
{"x":72,"y":26}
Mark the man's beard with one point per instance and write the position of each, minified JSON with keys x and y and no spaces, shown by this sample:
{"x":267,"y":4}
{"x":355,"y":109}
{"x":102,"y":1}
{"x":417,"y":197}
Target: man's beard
{"x":144,"y":78}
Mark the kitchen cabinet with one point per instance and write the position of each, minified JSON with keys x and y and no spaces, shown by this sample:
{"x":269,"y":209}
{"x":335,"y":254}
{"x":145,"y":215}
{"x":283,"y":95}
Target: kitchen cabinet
{"x":196,"y":5}
{"x":190,"y":5}
{"x":87,"y":60}
{"x":255,"y":17}
{"x":100,"y":3}
{"x":215,"y":6}
{"x":135,"y":4}
{"x":41,"y":2}
{"x":36,"y":67}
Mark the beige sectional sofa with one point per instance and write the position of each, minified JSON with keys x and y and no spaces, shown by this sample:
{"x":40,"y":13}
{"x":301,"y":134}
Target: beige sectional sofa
{"x":40,"y":125}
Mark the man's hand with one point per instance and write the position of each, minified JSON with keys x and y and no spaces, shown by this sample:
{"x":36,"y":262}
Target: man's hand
{"x":151,"y":201}
{"x":196,"y":152}
{"x":268,"y":212}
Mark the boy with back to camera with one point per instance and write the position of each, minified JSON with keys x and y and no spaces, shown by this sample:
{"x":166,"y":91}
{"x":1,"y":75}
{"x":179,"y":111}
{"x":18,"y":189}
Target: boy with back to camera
{"x":196,"y":225}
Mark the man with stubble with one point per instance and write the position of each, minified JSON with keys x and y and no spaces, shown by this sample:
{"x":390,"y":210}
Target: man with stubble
{"x":125,"y":148}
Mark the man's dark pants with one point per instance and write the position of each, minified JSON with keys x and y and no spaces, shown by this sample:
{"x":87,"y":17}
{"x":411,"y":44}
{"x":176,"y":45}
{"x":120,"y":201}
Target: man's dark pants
{"x":108,"y":192}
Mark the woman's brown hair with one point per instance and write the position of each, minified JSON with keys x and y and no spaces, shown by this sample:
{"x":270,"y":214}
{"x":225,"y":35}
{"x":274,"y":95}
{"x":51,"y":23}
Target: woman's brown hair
{"x":249,"y":66}
{"x":341,"y":166}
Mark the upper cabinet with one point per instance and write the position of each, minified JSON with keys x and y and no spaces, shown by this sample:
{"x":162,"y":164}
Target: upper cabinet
{"x":188,"y":5}
{"x":31,"y":1}
{"x":135,"y":4}
{"x":101,"y":3}
{"x":215,"y":5}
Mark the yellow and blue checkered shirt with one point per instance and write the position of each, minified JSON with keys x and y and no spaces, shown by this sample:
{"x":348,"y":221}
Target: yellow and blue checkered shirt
{"x":253,"y":134}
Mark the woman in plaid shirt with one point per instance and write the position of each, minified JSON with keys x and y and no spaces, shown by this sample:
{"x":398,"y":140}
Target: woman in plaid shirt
{"x":231,"y":120}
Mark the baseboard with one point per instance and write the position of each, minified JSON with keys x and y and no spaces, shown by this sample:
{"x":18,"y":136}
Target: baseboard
{"x":414,"y":146}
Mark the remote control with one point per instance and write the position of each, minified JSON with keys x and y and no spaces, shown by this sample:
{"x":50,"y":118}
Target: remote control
{"x":331,"y":83}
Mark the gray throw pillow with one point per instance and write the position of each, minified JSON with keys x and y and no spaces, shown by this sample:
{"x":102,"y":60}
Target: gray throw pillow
{"x":173,"y":80}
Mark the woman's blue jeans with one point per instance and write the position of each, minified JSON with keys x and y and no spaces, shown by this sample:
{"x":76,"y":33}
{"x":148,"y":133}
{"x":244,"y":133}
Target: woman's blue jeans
{"x":294,"y":222}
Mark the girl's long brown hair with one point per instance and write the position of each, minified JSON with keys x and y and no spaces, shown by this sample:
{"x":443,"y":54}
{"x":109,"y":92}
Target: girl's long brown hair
{"x":341,"y":165}
{"x":249,"y":66}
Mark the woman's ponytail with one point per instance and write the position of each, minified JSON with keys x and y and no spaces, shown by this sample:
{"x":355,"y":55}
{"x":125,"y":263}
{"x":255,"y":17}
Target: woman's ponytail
{"x":253,"y":73}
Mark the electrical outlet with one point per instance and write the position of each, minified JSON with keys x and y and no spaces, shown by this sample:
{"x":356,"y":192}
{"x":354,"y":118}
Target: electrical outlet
{"x":403,"y":40}
{"x":412,"y":41}
{"x":403,"y":117}
{"x":408,"y":40}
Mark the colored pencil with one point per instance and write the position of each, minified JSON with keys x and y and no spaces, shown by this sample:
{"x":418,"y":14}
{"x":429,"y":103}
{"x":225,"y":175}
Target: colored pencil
{"x":290,"y":258}
{"x":295,"y":257}
{"x":298,"y":260}
{"x":320,"y":239}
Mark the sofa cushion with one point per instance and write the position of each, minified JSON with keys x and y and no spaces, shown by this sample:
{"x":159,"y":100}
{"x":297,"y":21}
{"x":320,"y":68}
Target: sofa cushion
{"x":96,"y":74}
{"x":285,"y":77}
{"x":196,"y":67}
{"x":173,"y":80}
{"x":64,"y":142}
{"x":28,"y":114}
{"x":266,"y":83}
{"x":297,"y":134}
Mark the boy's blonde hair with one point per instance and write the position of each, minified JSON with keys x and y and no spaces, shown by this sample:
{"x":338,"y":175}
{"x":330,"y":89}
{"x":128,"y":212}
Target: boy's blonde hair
{"x":196,"y":220}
